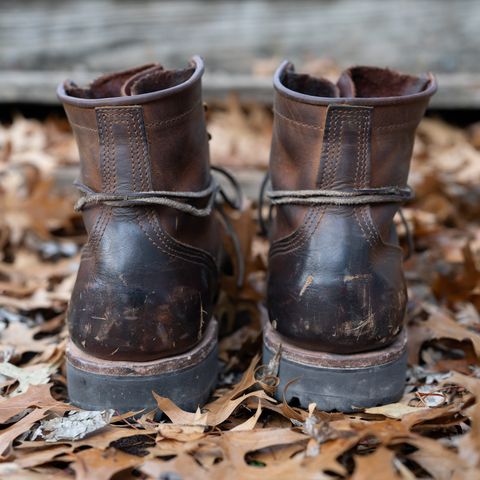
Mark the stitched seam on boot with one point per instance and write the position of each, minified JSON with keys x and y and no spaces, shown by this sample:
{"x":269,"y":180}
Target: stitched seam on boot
{"x":283,"y":244}
{"x":296,"y":122}
{"x":306,"y":235}
{"x":305,"y":231}
{"x":168,"y":122}
{"x":162,"y":243}
{"x":163,"y":123}
{"x":145,"y":165}
{"x":357,"y":118}
{"x":107,"y":145}
{"x":152,"y":216}
{"x":360,"y":179}
{"x":96,"y":232}
{"x":140,"y":179}
{"x":121,"y":116}
{"x":365,"y":211}
{"x":106,"y":162}
{"x":365,"y":233}
{"x":140,"y":174}
{"x":333,"y":165}
{"x":180,"y":247}
{"x":361,"y":175}
{"x":315,"y":214}
{"x":101,"y":233}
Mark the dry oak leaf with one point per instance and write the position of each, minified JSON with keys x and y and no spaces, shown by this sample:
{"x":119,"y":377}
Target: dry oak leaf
{"x":8,"y":435}
{"x":394,"y":410}
{"x":29,"y":454}
{"x":237,"y":444}
{"x":181,"y":433}
{"x":29,"y":375}
{"x":469,"y":444}
{"x":183,"y":466}
{"x":220,"y":409}
{"x":415,"y":419}
{"x":94,"y":464}
{"x":40,"y":212}
{"x":32,"y":457}
{"x":234,"y":446}
{"x":12,"y":471}
{"x":379,"y":465}
{"x":437,"y":460}
{"x":18,"y":339}
{"x":440,"y":325}
{"x":250,"y":423}
{"x":36,"y":396}
{"x":215,"y":413}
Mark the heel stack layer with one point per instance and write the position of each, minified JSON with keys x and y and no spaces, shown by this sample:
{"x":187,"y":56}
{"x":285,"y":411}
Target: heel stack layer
{"x":344,"y":383}
{"x":187,"y":379}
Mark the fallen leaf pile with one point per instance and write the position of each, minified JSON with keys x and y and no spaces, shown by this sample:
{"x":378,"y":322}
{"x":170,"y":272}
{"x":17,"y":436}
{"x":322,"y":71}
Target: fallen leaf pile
{"x":432,"y":432}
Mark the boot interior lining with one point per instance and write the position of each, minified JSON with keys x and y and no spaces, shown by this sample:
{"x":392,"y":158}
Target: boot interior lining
{"x":356,"y":82}
{"x":309,"y":85}
{"x":155,"y":78}
{"x":160,"y":80}
{"x":106,"y":86}
{"x":373,"y":82}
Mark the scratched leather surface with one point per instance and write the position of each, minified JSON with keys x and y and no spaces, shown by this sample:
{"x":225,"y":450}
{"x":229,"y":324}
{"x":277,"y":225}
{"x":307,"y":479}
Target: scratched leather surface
{"x":335,"y":280}
{"x":148,"y":276}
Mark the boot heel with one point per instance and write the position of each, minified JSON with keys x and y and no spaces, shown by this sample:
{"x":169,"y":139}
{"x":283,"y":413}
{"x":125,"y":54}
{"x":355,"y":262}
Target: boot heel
{"x":344,"y":383}
{"x":187,"y":379}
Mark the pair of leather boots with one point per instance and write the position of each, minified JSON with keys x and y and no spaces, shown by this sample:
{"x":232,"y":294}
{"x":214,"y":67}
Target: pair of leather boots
{"x":141,"y":313}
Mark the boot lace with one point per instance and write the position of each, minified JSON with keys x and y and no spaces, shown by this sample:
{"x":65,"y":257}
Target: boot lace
{"x":179,"y":201}
{"x":361,"y":196}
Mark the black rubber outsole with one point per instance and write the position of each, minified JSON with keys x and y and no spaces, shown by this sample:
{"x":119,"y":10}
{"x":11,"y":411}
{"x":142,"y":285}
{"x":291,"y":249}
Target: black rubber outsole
{"x":186,"y":379}
{"x":344,"y":383}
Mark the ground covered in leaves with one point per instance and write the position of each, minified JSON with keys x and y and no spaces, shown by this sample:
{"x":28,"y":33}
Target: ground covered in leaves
{"x":433,"y":432}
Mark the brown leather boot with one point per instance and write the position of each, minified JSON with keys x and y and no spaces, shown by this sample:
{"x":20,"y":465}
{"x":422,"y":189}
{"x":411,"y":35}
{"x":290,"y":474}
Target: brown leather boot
{"x":336,"y":292}
{"x":140,"y":315}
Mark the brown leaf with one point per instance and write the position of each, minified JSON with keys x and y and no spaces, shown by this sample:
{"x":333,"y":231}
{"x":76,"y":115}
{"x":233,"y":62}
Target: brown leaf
{"x":8,"y":435}
{"x":470,"y":443}
{"x":102,"y":464}
{"x":379,"y":465}
{"x":440,"y":325}
{"x":395,"y":410}
{"x":437,"y":460}
{"x":36,"y":396}
{"x":215,"y":413}
{"x":251,"y":422}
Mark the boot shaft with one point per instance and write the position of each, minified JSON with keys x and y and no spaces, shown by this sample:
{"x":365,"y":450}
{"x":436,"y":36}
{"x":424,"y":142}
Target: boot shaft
{"x":326,"y":137}
{"x":142,"y":129}
{"x":339,"y":166}
{"x":148,"y":275}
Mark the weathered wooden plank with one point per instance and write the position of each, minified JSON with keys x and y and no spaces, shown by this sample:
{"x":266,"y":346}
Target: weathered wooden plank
{"x":456,"y":90}
{"x":106,"y":34}
{"x":41,"y":42}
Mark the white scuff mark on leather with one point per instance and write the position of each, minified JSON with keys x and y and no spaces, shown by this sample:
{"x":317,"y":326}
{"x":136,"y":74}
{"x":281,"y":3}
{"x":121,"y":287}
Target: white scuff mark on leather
{"x":307,"y":283}
{"x":358,"y":276}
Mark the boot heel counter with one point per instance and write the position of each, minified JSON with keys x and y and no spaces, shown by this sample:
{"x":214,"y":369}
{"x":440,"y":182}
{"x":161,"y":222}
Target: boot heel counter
{"x":142,"y":299}
{"x":339,"y":297}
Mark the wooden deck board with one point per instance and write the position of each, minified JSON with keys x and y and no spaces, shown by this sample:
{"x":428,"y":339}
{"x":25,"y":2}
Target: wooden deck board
{"x":43,"y":41}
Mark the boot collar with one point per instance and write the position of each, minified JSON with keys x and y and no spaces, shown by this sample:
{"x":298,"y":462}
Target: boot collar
{"x":377,"y":86}
{"x":139,"y":81}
